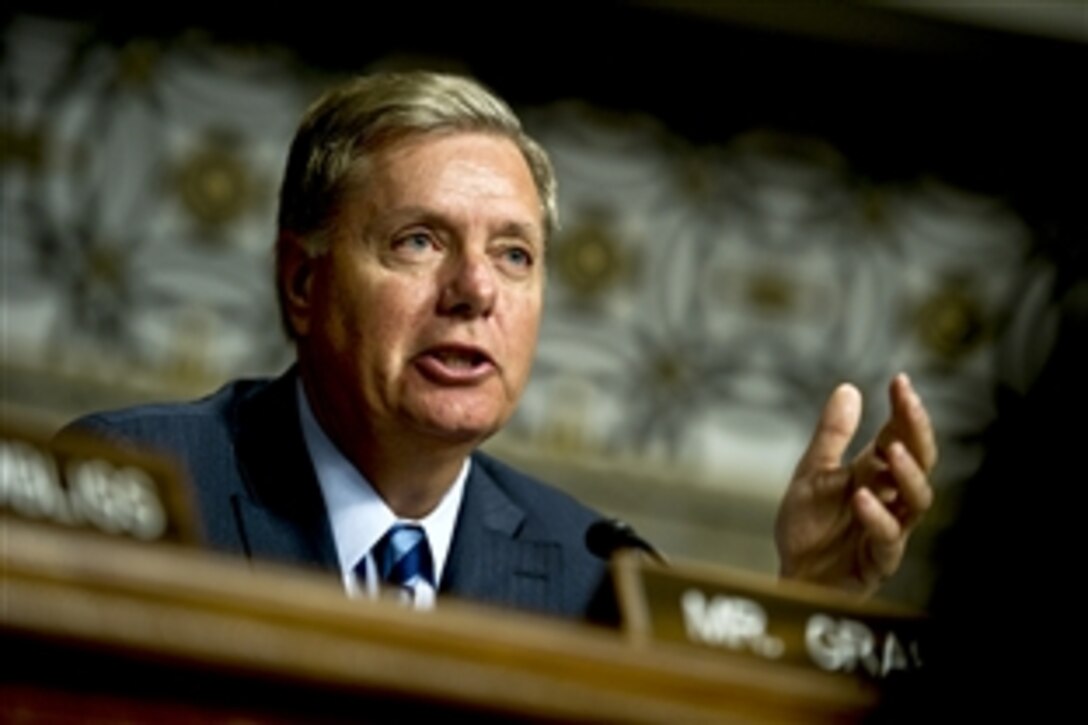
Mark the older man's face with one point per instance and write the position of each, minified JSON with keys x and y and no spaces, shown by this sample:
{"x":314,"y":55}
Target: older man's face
{"x":421,"y":321}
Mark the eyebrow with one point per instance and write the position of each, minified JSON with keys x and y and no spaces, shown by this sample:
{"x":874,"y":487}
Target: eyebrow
{"x":522,"y":231}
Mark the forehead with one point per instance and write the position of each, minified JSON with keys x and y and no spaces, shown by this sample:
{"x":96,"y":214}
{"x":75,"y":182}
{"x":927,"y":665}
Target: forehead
{"x":469,"y":174}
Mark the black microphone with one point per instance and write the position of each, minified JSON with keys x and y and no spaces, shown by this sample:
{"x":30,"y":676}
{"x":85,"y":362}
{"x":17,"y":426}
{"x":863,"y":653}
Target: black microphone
{"x":607,"y":536}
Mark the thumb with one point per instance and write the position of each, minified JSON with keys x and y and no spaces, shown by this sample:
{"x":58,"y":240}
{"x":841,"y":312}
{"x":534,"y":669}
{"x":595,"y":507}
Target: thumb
{"x":838,"y":423}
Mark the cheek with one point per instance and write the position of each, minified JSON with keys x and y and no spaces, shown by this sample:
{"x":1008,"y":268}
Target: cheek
{"x":390,"y":318}
{"x":347,"y":316}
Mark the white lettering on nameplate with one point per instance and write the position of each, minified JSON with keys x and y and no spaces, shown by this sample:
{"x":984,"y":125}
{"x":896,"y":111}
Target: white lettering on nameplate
{"x":735,"y":623}
{"x":29,"y":483}
{"x":116,"y":500}
{"x":845,"y":645}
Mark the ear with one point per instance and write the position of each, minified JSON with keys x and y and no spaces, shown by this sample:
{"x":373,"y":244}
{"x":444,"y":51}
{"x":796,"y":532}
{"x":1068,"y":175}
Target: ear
{"x":295,"y":268}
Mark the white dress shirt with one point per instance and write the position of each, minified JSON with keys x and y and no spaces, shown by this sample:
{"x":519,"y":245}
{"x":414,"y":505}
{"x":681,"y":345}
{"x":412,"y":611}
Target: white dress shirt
{"x":360,"y":517}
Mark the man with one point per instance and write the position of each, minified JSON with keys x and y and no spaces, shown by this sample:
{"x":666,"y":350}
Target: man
{"x":414,"y":219}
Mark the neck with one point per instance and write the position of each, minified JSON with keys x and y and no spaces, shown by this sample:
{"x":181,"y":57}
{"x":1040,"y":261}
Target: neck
{"x":412,"y":483}
{"x":412,"y":473}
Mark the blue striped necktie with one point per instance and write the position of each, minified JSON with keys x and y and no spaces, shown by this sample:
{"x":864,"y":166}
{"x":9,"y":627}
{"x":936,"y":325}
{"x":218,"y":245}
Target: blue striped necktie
{"x":403,"y":558}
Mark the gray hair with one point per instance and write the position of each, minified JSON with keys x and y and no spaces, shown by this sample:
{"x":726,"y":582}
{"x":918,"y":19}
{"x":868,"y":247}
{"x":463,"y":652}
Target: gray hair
{"x":368,"y":113}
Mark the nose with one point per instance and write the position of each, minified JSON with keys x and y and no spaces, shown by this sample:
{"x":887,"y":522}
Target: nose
{"x":470,"y":288}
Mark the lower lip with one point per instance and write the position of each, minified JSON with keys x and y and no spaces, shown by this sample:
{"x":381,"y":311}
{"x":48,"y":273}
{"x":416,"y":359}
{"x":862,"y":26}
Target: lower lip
{"x":437,"y":371}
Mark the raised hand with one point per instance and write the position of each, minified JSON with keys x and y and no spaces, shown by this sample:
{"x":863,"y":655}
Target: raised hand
{"x":847,"y":525}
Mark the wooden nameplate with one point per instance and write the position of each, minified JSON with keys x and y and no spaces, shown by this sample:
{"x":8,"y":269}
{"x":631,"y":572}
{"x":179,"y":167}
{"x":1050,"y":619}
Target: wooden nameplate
{"x":745,"y":614}
{"x":85,"y":483}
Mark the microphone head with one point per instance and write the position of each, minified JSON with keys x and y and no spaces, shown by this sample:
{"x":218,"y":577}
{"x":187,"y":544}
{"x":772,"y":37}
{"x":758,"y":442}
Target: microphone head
{"x":607,"y":536}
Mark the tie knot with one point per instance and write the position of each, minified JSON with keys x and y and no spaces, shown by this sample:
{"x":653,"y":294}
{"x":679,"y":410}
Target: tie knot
{"x":403,"y":556}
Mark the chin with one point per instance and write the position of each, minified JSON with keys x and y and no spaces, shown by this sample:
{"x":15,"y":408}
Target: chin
{"x":459,"y":429}
{"x":463,"y":424}
{"x":461,"y":436}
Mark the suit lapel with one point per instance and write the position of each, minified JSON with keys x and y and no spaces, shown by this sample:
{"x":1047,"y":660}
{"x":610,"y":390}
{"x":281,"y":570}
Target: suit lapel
{"x":492,"y":559}
{"x":282,"y":516}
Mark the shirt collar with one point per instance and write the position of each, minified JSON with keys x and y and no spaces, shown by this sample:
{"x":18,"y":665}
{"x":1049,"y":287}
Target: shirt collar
{"x":358,"y":515}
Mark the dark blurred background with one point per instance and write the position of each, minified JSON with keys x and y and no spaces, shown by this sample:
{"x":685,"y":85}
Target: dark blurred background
{"x":759,"y":200}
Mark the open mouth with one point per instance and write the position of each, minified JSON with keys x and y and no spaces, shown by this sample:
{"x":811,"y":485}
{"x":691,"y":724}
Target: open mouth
{"x":460,"y":359}
{"x":455,"y":365}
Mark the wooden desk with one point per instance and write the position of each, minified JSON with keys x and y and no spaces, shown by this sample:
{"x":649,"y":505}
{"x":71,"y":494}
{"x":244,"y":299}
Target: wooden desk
{"x":98,"y":629}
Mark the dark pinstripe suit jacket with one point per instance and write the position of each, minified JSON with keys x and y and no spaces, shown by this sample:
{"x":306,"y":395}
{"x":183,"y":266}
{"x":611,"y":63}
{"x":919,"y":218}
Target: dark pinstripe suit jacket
{"x":518,"y":542}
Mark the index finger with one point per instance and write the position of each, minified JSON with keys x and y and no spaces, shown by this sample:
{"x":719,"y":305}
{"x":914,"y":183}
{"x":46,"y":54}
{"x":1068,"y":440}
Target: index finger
{"x":834,"y":431}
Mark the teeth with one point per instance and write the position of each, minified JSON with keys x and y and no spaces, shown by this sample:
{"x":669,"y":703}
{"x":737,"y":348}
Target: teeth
{"x":456,"y":359}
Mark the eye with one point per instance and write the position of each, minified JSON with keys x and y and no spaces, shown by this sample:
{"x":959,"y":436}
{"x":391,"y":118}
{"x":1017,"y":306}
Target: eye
{"x":518,"y":257}
{"x":414,"y":242}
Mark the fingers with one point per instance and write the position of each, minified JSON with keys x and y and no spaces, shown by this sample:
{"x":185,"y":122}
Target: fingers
{"x":888,"y":524}
{"x":909,"y":423}
{"x":834,"y":431}
{"x":894,"y":467}
{"x":915,"y":493}
{"x":885,"y":535}
{"x":879,"y":523}
{"x":908,"y":427}
{"x":897,"y":466}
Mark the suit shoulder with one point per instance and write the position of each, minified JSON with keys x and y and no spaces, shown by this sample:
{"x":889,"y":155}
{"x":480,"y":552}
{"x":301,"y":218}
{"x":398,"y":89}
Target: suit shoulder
{"x":166,"y":425}
{"x":561,"y":508}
